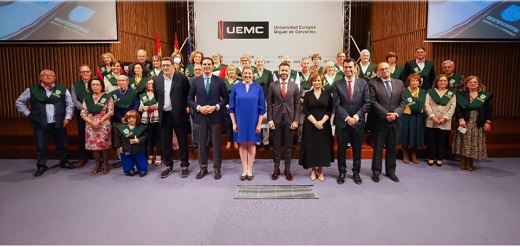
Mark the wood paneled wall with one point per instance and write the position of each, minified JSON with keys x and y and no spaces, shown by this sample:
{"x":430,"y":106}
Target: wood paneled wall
{"x":394,"y":26}
{"x":401,"y":26}
{"x":138,"y":23}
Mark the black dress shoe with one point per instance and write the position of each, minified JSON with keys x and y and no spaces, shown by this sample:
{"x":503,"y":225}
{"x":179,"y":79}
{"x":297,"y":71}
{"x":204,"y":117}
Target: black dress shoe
{"x":40,"y":171}
{"x":357,"y":178}
{"x":66,"y":165}
{"x":393,"y":177}
{"x":243,"y":177}
{"x":288,"y":174}
{"x":202,"y":173}
{"x":341,"y":178}
{"x":429,"y":163}
{"x":375,"y":178}
{"x":250,"y":177}
{"x":131,"y":173}
{"x":185,"y":172}
{"x":276,"y":173}
{"x":142,"y":174}
{"x":438,"y":163}
{"x":167,"y":171}
{"x":218,"y":174}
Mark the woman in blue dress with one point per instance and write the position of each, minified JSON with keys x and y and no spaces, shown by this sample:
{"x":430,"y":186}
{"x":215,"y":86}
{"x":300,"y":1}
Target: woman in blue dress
{"x":246,"y":107}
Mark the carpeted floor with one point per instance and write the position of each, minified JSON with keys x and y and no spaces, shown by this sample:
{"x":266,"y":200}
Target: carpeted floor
{"x":430,"y":205}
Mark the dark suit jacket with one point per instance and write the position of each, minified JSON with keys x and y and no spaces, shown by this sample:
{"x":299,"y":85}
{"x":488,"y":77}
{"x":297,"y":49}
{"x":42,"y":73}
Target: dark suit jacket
{"x":348,"y":108}
{"x":276,"y":104}
{"x":178,"y":95}
{"x":383,"y":104}
{"x":217,"y":95}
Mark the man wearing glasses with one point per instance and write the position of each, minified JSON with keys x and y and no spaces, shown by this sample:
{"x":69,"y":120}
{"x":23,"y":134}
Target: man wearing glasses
{"x":171,"y":92}
{"x":51,"y":112}
{"x":78,"y":91}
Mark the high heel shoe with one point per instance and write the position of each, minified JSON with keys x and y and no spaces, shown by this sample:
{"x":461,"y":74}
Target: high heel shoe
{"x":235,"y":146}
{"x":438,"y":163}
{"x":430,"y":163}
{"x":313,"y":175}
{"x":158,"y":160}
{"x":250,"y":177}
{"x":243,"y":177}
{"x":321,"y":177}
{"x":228,"y":146}
{"x":96,"y":169}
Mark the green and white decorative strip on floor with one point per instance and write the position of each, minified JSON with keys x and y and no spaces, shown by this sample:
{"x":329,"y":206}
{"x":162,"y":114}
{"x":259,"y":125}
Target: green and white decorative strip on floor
{"x":275,"y":192}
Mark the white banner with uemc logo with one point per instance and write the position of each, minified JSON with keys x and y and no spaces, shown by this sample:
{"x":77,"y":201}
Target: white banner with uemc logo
{"x":269,"y":29}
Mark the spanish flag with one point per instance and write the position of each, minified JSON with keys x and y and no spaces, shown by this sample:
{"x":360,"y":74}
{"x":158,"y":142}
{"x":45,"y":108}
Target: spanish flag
{"x":176,"y":44}
{"x":158,"y":50}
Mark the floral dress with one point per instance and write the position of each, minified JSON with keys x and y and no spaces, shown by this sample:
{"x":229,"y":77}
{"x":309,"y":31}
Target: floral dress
{"x":99,"y":138}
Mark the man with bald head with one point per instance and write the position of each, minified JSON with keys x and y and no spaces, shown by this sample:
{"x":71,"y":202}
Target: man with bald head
{"x":142,"y":57}
{"x":125,"y":99}
{"x":387,"y":104}
{"x":50,"y":113}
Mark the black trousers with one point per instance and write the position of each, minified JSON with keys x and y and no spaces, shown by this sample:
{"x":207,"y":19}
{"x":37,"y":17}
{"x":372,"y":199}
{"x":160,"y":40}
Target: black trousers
{"x":282,"y":134}
{"x":437,"y":140}
{"x":386,"y":137}
{"x":59,"y":136}
{"x":168,"y":126}
{"x":355,"y":137}
{"x":154,"y":138}
{"x":206,"y":127}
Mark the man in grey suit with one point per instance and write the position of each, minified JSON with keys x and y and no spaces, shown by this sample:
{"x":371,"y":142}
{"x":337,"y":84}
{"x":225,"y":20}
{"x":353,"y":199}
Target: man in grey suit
{"x":388,"y":103}
{"x":283,"y":114}
{"x":171,"y":92}
{"x":208,"y":95}
{"x":351,"y":100}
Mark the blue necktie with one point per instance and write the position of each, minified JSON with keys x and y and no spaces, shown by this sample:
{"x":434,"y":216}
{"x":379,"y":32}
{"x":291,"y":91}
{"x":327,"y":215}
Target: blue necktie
{"x":388,"y":89}
{"x":207,"y":84}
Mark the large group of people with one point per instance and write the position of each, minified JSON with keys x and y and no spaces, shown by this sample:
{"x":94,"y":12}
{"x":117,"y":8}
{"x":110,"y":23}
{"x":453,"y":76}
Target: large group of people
{"x":143,"y":113}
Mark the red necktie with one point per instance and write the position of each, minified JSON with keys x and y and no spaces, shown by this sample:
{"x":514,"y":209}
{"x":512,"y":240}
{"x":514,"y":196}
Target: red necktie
{"x":284,"y":90}
{"x":350,"y":95}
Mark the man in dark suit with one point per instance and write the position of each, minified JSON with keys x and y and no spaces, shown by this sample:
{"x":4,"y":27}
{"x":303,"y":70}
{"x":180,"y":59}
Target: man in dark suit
{"x":388,"y":102}
{"x":422,"y":66}
{"x":171,"y":92}
{"x":283,"y":114}
{"x":208,"y":94}
{"x":78,"y":91}
{"x":351,"y":100}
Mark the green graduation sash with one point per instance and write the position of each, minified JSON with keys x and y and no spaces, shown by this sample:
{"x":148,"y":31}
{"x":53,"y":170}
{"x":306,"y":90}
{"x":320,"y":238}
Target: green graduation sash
{"x":142,"y":84}
{"x":147,"y":101}
{"x":112,"y":79}
{"x":123,"y":104}
{"x":397,"y":72}
{"x":221,"y":66}
{"x":304,"y":84}
{"x":370,"y":70}
{"x":426,"y":70}
{"x":130,"y":133}
{"x":261,"y":79}
{"x":454,"y":78}
{"x":39,"y":92}
{"x":437,"y":99}
{"x":104,"y":70}
{"x":94,"y":107}
{"x":476,"y":103}
{"x":81,"y":91}
{"x":229,"y":85}
{"x":416,"y":104}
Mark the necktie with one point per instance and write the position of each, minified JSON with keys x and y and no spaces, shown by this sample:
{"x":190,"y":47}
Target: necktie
{"x":350,"y":95}
{"x":207,"y":84}
{"x":388,"y":89}
{"x":284,"y":90}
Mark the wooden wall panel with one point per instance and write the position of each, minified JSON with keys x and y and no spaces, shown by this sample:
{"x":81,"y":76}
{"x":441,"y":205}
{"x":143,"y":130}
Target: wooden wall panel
{"x":401,"y":26}
{"x":138,"y":23}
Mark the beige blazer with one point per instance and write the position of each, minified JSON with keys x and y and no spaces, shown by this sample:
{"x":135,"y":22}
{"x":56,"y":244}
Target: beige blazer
{"x":439,"y":111}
